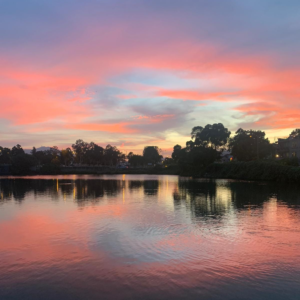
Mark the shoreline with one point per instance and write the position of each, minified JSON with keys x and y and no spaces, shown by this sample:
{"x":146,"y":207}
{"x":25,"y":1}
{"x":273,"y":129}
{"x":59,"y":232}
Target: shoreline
{"x":253,"y":171}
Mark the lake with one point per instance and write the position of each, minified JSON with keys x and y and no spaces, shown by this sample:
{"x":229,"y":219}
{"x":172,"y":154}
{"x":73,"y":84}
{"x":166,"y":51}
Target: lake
{"x":148,"y":237}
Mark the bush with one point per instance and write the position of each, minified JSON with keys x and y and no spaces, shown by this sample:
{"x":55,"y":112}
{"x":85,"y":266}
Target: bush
{"x":289,"y":162}
{"x":50,"y":169}
{"x":256,"y":170}
{"x":22,"y":163}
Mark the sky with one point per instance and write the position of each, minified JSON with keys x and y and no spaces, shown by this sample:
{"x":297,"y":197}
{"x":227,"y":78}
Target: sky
{"x":135,"y":73}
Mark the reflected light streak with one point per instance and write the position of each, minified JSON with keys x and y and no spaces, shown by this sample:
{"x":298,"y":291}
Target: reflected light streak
{"x":210,"y":233}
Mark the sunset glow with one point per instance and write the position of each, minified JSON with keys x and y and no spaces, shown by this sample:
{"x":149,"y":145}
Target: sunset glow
{"x":133,"y":73}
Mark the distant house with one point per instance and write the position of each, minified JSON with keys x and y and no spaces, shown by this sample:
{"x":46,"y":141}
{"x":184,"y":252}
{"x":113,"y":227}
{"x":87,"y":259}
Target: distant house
{"x":226,"y":156}
{"x":123,"y":165}
{"x":288,"y":148}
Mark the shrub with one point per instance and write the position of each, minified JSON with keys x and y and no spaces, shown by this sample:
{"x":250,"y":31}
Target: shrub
{"x":50,"y":169}
{"x":257,"y":170}
{"x":22,"y":163}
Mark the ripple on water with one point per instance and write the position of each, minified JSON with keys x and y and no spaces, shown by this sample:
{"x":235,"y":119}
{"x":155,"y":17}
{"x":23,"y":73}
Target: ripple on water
{"x":154,"y":237}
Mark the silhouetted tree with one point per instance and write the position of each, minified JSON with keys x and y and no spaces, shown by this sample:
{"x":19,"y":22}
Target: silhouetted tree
{"x":17,"y":150}
{"x":33,"y":151}
{"x":67,"y":156}
{"x":80,"y":147}
{"x":295,"y":133}
{"x":176,"y":152}
{"x":43,"y":157}
{"x":136,"y":160}
{"x":151,"y":154}
{"x":204,"y":148}
{"x":248,"y":145}
{"x":94,"y":154}
{"x":168,"y":162}
{"x":5,"y":155}
{"x":22,"y":163}
{"x":130,"y":154}
{"x":112,"y":156}
{"x":214,"y":136}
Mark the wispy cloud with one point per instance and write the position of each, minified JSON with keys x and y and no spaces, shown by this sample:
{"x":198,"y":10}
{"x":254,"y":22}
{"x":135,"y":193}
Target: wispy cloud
{"x":142,"y":68}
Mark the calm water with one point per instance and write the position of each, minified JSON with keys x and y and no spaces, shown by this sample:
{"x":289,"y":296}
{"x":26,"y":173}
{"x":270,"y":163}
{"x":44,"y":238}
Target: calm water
{"x":148,"y":237}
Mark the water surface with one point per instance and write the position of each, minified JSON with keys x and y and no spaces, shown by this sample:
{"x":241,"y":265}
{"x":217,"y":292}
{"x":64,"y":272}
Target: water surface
{"x":148,"y":237}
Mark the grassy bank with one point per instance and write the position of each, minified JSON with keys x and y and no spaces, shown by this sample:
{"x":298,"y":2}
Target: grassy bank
{"x":263,"y":170}
{"x":256,"y":170}
{"x":107,"y":170}
{"x":51,"y":169}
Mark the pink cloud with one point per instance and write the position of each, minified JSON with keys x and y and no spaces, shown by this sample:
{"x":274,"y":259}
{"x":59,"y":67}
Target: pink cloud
{"x":117,"y":127}
{"x":154,"y":119}
{"x":30,"y":97}
{"x":33,"y":94}
{"x":193,"y":95}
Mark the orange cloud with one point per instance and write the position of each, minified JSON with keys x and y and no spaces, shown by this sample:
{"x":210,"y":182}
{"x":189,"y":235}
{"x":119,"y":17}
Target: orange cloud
{"x":154,"y":119}
{"x":116,"y":128}
{"x":122,"y":127}
{"x":192,"y":95}
{"x":271,"y":115}
{"x":30,"y":94}
{"x":30,"y":97}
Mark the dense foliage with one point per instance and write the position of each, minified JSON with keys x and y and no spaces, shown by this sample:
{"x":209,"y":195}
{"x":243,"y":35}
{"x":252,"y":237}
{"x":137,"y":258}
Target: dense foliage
{"x":22,"y":163}
{"x":204,"y":148}
{"x":151,"y":155}
{"x":213,"y":136}
{"x":254,"y":170}
{"x":93,"y":154}
{"x":81,"y":154}
{"x":136,"y":160}
{"x":248,"y":145}
{"x":295,"y":133}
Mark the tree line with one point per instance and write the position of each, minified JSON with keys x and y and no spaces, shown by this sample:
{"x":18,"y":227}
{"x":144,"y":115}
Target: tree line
{"x":208,"y":143}
{"x":205,"y":147}
{"x":81,"y":153}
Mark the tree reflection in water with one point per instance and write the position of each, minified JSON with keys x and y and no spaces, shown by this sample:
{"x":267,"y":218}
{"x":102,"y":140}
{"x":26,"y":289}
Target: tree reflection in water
{"x":202,"y":197}
{"x":152,"y":237}
{"x":82,"y":190}
{"x":214,"y":198}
